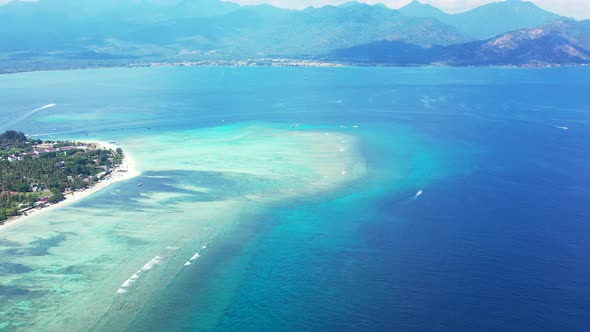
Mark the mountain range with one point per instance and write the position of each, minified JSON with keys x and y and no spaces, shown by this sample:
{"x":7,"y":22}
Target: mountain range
{"x":561,"y":42}
{"x":81,"y":33}
{"x":488,"y":20}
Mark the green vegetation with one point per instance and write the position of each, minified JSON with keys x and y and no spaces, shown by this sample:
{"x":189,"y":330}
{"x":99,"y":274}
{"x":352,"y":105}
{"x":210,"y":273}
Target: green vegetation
{"x":14,"y":142}
{"x":13,"y":139}
{"x":34,"y":172}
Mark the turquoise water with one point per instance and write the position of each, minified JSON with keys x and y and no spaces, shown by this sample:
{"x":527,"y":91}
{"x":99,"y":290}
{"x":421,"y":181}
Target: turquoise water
{"x":298,"y":189}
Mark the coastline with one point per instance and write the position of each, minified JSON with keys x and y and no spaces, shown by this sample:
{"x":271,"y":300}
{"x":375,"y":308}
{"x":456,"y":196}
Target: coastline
{"x":333,"y":64}
{"x":125,"y":171}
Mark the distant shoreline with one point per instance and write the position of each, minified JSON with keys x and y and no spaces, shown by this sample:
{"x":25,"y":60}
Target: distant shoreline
{"x":316,"y":64}
{"x":125,"y":171}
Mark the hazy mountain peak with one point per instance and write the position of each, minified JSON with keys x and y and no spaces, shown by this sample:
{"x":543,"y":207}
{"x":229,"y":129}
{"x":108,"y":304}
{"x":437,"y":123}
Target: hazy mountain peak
{"x":419,"y":5}
{"x":352,"y":4}
{"x":418,"y":9}
{"x":498,"y":17}
{"x":507,"y":3}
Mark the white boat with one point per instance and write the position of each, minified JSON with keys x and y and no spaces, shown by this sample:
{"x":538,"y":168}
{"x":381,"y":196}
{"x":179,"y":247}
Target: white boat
{"x":419,"y":193}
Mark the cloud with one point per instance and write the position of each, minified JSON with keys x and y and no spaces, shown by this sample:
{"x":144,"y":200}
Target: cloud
{"x":3,"y":2}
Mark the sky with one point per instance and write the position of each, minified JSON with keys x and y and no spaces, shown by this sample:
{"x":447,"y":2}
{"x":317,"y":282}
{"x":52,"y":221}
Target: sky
{"x":571,"y":8}
{"x":579,"y":9}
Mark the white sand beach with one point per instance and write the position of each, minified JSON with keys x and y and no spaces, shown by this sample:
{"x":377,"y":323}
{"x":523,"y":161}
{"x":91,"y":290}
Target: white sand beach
{"x":127,"y":170}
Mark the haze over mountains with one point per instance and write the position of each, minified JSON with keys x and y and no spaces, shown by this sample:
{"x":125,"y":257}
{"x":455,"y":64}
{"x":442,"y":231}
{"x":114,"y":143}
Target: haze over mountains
{"x":488,"y":20}
{"x":71,"y":33}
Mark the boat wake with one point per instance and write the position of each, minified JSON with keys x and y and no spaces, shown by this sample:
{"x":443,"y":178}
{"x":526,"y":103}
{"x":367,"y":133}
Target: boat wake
{"x":419,"y":193}
{"x":29,"y":113}
{"x":561,"y":127}
{"x":43,"y":107}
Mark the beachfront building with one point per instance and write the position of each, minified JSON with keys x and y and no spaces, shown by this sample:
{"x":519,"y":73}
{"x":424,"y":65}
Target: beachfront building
{"x":12,"y":158}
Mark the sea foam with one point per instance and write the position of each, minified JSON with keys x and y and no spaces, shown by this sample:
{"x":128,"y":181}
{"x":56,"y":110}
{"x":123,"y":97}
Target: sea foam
{"x":148,"y":266}
{"x":195,"y":256}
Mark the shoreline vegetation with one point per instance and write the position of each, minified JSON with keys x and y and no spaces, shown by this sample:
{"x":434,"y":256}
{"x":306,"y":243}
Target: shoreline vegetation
{"x":110,"y":166}
{"x":265,"y":62}
{"x":268,"y":63}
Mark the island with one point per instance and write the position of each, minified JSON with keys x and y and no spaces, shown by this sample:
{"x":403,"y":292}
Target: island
{"x":36,"y":174}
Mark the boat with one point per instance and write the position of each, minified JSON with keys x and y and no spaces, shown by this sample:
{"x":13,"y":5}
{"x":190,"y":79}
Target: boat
{"x":419,"y":193}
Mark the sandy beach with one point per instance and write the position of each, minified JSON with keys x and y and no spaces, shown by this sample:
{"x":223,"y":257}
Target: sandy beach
{"x":127,"y":170}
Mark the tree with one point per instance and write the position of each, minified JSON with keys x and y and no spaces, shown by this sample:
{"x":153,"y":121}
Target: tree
{"x":21,"y":187}
{"x":18,"y":178}
{"x":56,"y":198}
{"x":13,"y":139}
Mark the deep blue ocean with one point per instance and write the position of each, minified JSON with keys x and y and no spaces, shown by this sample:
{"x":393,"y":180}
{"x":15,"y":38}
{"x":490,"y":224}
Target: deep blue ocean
{"x":499,"y":240}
